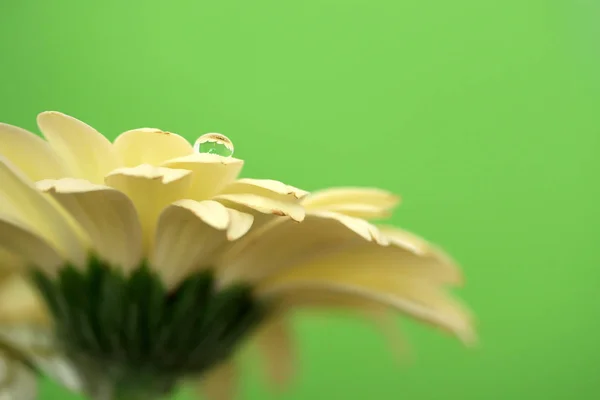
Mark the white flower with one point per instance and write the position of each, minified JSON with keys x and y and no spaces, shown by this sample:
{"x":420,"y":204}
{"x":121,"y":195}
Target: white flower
{"x":156,"y":261}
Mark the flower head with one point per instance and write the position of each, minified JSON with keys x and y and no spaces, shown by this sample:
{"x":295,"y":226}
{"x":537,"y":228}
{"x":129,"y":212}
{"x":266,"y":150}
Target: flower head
{"x":156,"y":261}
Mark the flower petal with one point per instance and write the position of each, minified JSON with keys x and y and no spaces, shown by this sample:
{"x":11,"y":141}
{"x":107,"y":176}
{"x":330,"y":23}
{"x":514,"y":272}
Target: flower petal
{"x":88,"y":154}
{"x":265,"y":188}
{"x":220,"y":383}
{"x":368,"y":203}
{"x":262,"y":205}
{"x":274,"y":341}
{"x":417,"y":301}
{"x":17,"y":381}
{"x":187,"y":235}
{"x":17,"y":238}
{"x":446,"y":268}
{"x":20,"y":303}
{"x":283,"y":242}
{"x":150,"y":189}
{"x":21,"y":201}
{"x":107,"y":216}
{"x":30,"y":153}
{"x":239,"y":224}
{"x":210,"y":172}
{"x":150,"y":146}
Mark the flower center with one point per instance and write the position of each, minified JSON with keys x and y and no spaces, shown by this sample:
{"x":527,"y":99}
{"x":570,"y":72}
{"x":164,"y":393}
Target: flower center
{"x":129,"y":331}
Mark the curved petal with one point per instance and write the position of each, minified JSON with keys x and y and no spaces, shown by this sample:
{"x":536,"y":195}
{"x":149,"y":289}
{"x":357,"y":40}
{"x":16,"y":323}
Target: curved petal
{"x":30,"y":154}
{"x":265,"y":188}
{"x":17,"y":381}
{"x":368,"y":203}
{"x":187,"y":235}
{"x":239,"y":224}
{"x":20,"y":303}
{"x":88,"y":154}
{"x":106,"y":215}
{"x":150,"y":189}
{"x":220,"y":383}
{"x":274,"y":341}
{"x":284,"y":242}
{"x":263,"y":205}
{"x":418,"y":301}
{"x":150,"y":146}
{"x":210,"y":172}
{"x":18,"y":239}
{"x":21,"y":201}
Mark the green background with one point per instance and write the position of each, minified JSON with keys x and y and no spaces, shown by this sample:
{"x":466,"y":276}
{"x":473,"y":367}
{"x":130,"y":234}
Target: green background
{"x":484,"y":115}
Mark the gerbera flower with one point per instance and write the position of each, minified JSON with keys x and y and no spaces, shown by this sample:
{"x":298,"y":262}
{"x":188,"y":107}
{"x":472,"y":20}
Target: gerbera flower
{"x":155,"y":262}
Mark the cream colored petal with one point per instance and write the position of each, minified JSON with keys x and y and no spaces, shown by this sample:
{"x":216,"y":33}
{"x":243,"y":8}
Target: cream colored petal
{"x":150,"y":189}
{"x":262,"y":205}
{"x":30,"y":153}
{"x":210,"y":173}
{"x":20,"y":303}
{"x":187,"y":235}
{"x":265,"y":188}
{"x":220,"y":383}
{"x":107,"y":216}
{"x":374,"y":313}
{"x":20,"y":199}
{"x":274,"y":341}
{"x":447,"y":268}
{"x":87,"y":153}
{"x":281,"y":243}
{"x":416,"y":299}
{"x":150,"y":146}
{"x":356,"y":202}
{"x":19,"y":240}
{"x":10,"y":263}
{"x":17,"y":382}
{"x":239,"y":224}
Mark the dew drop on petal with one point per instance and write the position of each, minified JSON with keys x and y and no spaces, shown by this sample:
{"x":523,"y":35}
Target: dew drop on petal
{"x":214,"y":143}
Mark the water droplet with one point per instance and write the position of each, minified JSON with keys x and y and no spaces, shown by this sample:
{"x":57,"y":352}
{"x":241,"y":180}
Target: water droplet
{"x":214,"y":143}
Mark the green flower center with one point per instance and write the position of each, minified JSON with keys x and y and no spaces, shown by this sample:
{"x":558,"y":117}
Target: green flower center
{"x":129,"y":332}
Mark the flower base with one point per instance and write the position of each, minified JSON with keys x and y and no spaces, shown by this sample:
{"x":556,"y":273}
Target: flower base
{"x":130,"y":338}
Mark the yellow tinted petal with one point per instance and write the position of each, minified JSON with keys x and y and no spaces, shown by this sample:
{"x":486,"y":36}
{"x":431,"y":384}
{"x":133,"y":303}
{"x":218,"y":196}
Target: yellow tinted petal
{"x":150,"y":146}
{"x":20,"y":302}
{"x":30,"y":154}
{"x":21,"y":200}
{"x":210,"y":173}
{"x":19,"y":240}
{"x":263,"y":205}
{"x":220,"y":383}
{"x":274,"y":341}
{"x":87,"y":153}
{"x":265,"y":188}
{"x":356,"y":202}
{"x":107,"y":216}
{"x":187,"y":235}
{"x":150,"y":189}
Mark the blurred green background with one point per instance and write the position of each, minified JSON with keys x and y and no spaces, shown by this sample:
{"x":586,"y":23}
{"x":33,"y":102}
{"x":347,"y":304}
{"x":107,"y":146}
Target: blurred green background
{"x":483,"y":115}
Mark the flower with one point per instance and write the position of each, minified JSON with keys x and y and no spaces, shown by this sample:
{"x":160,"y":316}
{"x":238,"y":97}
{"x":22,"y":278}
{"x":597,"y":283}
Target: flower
{"x":155,"y":262}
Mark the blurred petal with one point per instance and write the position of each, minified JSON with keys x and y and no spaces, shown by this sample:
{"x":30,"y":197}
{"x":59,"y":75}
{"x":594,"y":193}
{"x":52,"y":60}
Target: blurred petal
{"x":20,"y":303}
{"x":107,"y":216}
{"x":22,"y":202}
{"x":413,"y":298}
{"x":19,"y":240}
{"x":210,"y":172}
{"x":88,"y":154}
{"x":239,"y":224}
{"x":150,"y":189}
{"x":17,"y":381}
{"x":220,"y":383}
{"x":367,"y":203}
{"x":150,"y":146}
{"x":30,"y":153}
{"x":274,"y":341}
